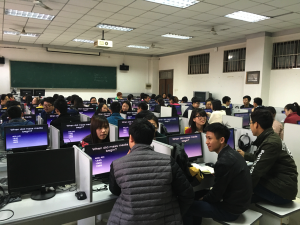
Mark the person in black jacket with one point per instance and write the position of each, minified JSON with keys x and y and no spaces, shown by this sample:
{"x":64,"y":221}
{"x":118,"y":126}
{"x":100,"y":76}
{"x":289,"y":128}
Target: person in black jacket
{"x":231,"y":193}
{"x":195,"y":104}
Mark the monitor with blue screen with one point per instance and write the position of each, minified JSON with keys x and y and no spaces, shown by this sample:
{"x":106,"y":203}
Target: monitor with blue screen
{"x":171,"y":124}
{"x":246,"y":118}
{"x":75,"y":132}
{"x":188,"y":104}
{"x":38,"y":111}
{"x":32,"y":108}
{"x":192,"y":144}
{"x":51,"y":117}
{"x":152,"y":107}
{"x":178,"y":108}
{"x":131,"y":115}
{"x":298,"y":122}
{"x":208,"y":110}
{"x":231,"y":140}
{"x":22,"y":138}
{"x":283,"y":111}
{"x":106,"y":114}
{"x":104,"y":154}
{"x":123,"y":128}
{"x":134,"y":105}
{"x":30,"y":117}
{"x":86,"y":102}
{"x":88,"y":111}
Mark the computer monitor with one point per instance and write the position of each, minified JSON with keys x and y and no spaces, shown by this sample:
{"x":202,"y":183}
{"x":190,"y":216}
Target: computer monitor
{"x":152,"y":107}
{"x":30,"y":117}
{"x":131,"y":115}
{"x":178,"y":108}
{"x":2,"y":111}
{"x":249,"y":109}
{"x":246,"y":118}
{"x":88,"y":111}
{"x":26,"y":138}
{"x":192,"y":144}
{"x":283,"y":111}
{"x":32,"y":108}
{"x":38,"y":111}
{"x":24,"y":92}
{"x":86,"y":102}
{"x":103,"y":154}
{"x":134,"y":105}
{"x":123,"y":128}
{"x":202,"y":95}
{"x":171,"y":123}
{"x":208,"y":110}
{"x":34,"y":171}
{"x":39,"y":92}
{"x":231,"y":139}
{"x":298,"y":122}
{"x":106,"y":114}
{"x":73,"y":133}
{"x":188,"y":104}
{"x":94,"y":105}
{"x":51,"y":117}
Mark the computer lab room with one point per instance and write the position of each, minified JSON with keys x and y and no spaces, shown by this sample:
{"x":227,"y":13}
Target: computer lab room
{"x":149,"y":112}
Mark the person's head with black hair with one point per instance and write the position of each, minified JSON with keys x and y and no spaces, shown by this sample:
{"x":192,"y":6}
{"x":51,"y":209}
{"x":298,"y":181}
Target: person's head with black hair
{"x":4,"y":99}
{"x":161,"y":102}
{"x":173,"y":100}
{"x":126,"y":107}
{"x":216,"y":105}
{"x":99,"y":129}
{"x":60,"y":106}
{"x":257,"y":102}
{"x":48,"y":104}
{"x":73,"y":98}
{"x":169,"y":96}
{"x":141,"y":131}
{"x":157,"y":97}
{"x":29,"y":100}
{"x":142,"y":95}
{"x":61,"y":97}
{"x":69,"y":98}
{"x":184,"y":99}
{"x":226,"y":100}
{"x":208,"y":103}
{"x":142,"y":106}
{"x":217,"y":135}
{"x":101,"y":100}
{"x":102,"y":107}
{"x":93,"y":100}
{"x":272,"y":111}
{"x":55,"y":96}
{"x":152,"y":119}
{"x":42,"y":102}
{"x":246,"y":101}
{"x":164,"y":96}
{"x":78,"y":103}
{"x":129,"y":97}
{"x":260,"y":120}
{"x":115,"y":107}
{"x":146,"y":98}
{"x":153,"y":96}
{"x":13,"y":103}
{"x":198,"y":120}
{"x":292,"y":108}
{"x":143,"y":114}
{"x":11,"y":97}
{"x":14,"y":112}
{"x":195,"y":102}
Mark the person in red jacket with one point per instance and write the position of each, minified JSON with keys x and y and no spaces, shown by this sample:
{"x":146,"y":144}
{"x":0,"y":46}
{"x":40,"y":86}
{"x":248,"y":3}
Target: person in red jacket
{"x":174,"y":100}
{"x":292,"y":112}
{"x":198,"y":121}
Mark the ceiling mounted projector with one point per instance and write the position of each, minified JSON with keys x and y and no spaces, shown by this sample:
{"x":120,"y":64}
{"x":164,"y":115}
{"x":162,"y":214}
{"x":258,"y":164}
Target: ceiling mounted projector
{"x":103,"y":43}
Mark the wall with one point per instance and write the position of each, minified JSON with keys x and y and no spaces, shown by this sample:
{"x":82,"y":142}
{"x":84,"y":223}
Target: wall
{"x":140,"y":71}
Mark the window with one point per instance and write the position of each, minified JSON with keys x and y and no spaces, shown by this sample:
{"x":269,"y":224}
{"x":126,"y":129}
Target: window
{"x":286,"y":55}
{"x":234,"y":60}
{"x":199,"y":64}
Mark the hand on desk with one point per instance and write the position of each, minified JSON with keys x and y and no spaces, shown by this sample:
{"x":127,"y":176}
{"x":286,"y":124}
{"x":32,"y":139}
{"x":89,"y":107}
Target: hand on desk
{"x":241,"y":152}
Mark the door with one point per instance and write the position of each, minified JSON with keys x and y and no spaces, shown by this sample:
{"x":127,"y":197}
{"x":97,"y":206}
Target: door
{"x":166,"y":82}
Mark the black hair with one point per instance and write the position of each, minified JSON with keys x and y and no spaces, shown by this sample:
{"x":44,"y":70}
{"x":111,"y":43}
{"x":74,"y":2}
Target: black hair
{"x":157,"y":97}
{"x":128,"y":103}
{"x":142,"y":131}
{"x":142,"y":95}
{"x":101,"y":100}
{"x":258,"y":101}
{"x":169,"y":96}
{"x":153,"y":96}
{"x":9,"y":95}
{"x":42,"y":101}
{"x":184,"y":99}
{"x":28,"y":99}
{"x":208,"y":100}
{"x":151,"y":116}
{"x":195,"y":112}
{"x":55,"y":96}
{"x":61,"y":105}
{"x":294,"y":107}
{"x":49,"y":99}
{"x":216,"y":105}
{"x":143,"y":106}
{"x":226,"y":99}
{"x":14,"y":112}
{"x":12,"y":103}
{"x":69,"y":98}
{"x":61,"y":97}
{"x":115,"y":107}
{"x":272,"y":110}
{"x":220,"y":130}
{"x":263,"y":117}
{"x":195,"y":99}
{"x":96,"y":123}
{"x":248,"y":97}
{"x":145,"y":96}
{"x":92,"y":98}
{"x":129,"y":97}
{"x":73,"y":98}
{"x":143,"y":114}
{"x":174,"y":99}
{"x":78,"y":103}
{"x":99,"y":109}
{"x":161,"y":102}
{"x":3,"y":96}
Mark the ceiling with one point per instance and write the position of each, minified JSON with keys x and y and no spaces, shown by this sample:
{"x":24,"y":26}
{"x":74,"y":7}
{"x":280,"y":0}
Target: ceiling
{"x":78,"y":18}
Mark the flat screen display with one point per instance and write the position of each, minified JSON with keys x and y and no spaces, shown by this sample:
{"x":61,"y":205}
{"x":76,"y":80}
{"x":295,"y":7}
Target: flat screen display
{"x":134,"y":105}
{"x":152,"y":107}
{"x":51,"y":117}
{"x":246,"y":118}
{"x":38,"y":111}
{"x":208,"y":110}
{"x":298,"y":122}
{"x":104,"y":154}
{"x":192,"y":143}
{"x":178,"y":108}
{"x":123,"y":128}
{"x":88,"y":111}
{"x":231,"y":139}
{"x":32,"y":108}
{"x":31,"y":118}
{"x":171,"y":123}
{"x":75,"y":132}
{"x":131,"y":115}
{"x":104,"y":114}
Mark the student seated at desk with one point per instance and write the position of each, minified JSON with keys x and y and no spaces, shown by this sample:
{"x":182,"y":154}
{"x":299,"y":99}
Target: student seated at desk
{"x":99,"y":131}
{"x":274,"y":172}
{"x":277,"y":126}
{"x":15,"y":119}
{"x":129,"y":97}
{"x":153,"y":96}
{"x":197,"y":122}
{"x":8,"y":105}
{"x":55,"y":97}
{"x":142,"y":106}
{"x":119,"y":96}
{"x":93,"y":100}
{"x":208,"y":103}
{"x":36,"y":101}
{"x":231,"y":193}
{"x":174,"y":100}
{"x":226,"y":102}
{"x":292,"y":112}
{"x":154,"y":121}
{"x":126,"y":107}
{"x":160,"y":102}
{"x":195,"y":104}
{"x":4,"y":99}
{"x":257,"y":104}
{"x":115,"y":108}
{"x":246,"y":101}
{"x":146,"y":98}
{"x":169,"y":96}
{"x":48,"y":108}
{"x":28,"y":100}
{"x":184,"y":99}
{"x":78,"y":103}
{"x":102,"y":108}
{"x":217,"y":115}
{"x":101,"y":100}
{"x":11,"y":97}
{"x":164,"y":96}
{"x":159,"y":192}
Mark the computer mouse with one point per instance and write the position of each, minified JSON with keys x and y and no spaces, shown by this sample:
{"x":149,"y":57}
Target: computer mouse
{"x":80,"y":195}
{"x":210,"y":164}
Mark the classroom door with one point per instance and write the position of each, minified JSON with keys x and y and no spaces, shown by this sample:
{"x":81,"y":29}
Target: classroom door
{"x":166,"y":82}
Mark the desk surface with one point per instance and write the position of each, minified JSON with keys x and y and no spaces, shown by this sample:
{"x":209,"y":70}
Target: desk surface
{"x":281,"y":210}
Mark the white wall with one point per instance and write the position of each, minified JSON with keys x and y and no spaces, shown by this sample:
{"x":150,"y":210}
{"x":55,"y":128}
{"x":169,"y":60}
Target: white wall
{"x":132,"y":81}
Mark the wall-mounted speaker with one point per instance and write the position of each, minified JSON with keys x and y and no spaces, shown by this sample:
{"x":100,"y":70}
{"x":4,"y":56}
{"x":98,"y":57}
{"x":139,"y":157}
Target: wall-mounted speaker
{"x":2,"y":60}
{"x":124,"y":67}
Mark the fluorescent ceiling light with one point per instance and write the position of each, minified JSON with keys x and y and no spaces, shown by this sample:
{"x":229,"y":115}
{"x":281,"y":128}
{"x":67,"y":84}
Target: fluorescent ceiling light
{"x":137,"y":46}
{"x":18,"y":33}
{"x":33,"y":15}
{"x":246,"y":16}
{"x":83,"y":40}
{"x":176,"y":3}
{"x":113,"y":27}
{"x":176,"y":36}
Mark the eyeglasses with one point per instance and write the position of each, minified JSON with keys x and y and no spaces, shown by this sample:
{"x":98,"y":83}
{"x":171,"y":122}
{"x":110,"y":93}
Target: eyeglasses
{"x":47,"y":106}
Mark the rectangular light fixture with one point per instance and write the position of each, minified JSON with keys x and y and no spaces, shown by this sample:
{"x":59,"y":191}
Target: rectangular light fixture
{"x":176,"y":36}
{"x":113,"y":27}
{"x":176,"y":3}
{"x":137,"y":46}
{"x":18,"y":33}
{"x":84,"y":41}
{"x":246,"y":16}
{"x":33,"y":15}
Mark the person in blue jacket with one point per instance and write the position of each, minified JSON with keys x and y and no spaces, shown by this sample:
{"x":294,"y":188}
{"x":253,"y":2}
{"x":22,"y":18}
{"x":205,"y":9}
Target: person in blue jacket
{"x":115,"y":116}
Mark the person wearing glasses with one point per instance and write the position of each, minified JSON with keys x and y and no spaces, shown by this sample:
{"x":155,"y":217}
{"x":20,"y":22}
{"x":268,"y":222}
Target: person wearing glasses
{"x":154,"y":121}
{"x":48,"y":108}
{"x":197,"y":122}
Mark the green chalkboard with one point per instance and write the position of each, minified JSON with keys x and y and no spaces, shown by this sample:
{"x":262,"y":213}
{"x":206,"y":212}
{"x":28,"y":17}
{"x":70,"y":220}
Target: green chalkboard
{"x":54,"y":75}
